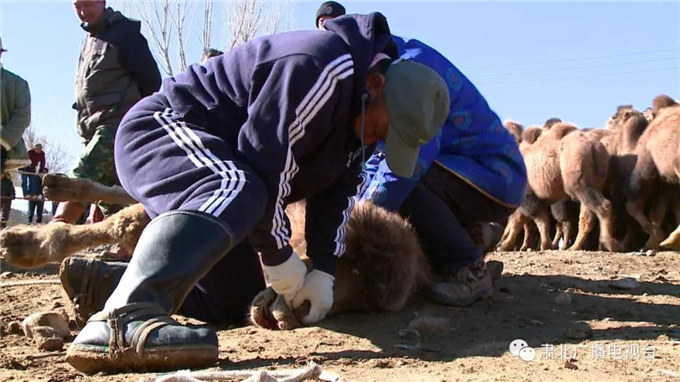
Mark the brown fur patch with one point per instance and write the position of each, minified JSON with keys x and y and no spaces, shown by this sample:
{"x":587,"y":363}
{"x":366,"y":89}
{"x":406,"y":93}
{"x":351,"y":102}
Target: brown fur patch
{"x":515,"y":129}
{"x":550,"y":122}
{"x":383,"y":266}
{"x":662,"y":101}
{"x":531,"y":134}
{"x":561,"y":129}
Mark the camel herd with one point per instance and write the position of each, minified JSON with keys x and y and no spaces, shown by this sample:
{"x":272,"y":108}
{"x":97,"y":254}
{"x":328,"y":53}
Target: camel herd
{"x":625,"y":178}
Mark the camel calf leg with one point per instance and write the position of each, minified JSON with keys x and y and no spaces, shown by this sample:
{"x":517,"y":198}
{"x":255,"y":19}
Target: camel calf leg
{"x":559,"y":234}
{"x":543,"y":221}
{"x":672,"y":242}
{"x":593,"y":202}
{"x":569,"y":239}
{"x":33,"y":246}
{"x":61,"y":188}
{"x":586,"y":222}
{"x":529,"y":236}
{"x":511,"y":233}
{"x":635,"y":208}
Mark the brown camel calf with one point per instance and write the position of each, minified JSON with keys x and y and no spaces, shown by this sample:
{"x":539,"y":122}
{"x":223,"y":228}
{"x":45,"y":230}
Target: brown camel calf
{"x":658,"y":160}
{"x":620,"y":138}
{"x":565,"y":163}
{"x":532,"y":210}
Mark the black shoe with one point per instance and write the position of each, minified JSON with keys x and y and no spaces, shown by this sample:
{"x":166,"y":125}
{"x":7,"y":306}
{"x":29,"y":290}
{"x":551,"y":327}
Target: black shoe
{"x":462,"y":288}
{"x":140,"y":336}
{"x":134,"y":331}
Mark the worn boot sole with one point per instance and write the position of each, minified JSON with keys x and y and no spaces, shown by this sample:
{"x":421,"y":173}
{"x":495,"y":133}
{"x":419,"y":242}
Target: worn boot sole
{"x":94,"y":359}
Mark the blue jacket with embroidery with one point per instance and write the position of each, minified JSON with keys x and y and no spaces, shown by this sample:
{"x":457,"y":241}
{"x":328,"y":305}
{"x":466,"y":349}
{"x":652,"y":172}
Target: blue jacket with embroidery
{"x":473,"y":144}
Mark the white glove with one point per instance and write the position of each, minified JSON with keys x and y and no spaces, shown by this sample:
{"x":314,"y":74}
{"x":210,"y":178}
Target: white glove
{"x":287,"y":277}
{"x":318,"y":290}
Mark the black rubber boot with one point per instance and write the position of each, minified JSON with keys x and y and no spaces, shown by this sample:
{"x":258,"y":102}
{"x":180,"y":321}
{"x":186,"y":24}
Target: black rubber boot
{"x":89,"y":283}
{"x":134,"y":331}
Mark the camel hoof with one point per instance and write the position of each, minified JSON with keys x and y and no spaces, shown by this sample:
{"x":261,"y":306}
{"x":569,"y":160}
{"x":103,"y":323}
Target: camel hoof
{"x":651,"y":245}
{"x":269,"y":310}
{"x":28,"y":246}
{"x":615,"y":247}
{"x":57,"y":187}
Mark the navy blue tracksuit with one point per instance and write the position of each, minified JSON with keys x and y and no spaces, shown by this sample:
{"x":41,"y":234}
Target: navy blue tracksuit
{"x":266,"y":124}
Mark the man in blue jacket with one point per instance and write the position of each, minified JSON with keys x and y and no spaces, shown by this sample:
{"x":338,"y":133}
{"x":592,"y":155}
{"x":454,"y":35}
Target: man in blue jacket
{"x":219,"y":153}
{"x":471,"y":174}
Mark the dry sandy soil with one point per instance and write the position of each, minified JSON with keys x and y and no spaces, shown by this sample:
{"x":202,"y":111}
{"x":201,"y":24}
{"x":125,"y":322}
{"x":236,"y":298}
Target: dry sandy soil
{"x":634,"y":332}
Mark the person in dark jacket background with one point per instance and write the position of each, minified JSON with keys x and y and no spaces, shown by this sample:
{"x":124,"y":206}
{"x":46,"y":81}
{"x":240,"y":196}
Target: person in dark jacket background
{"x":216,"y":157}
{"x":7,"y":194}
{"x":15,"y":117}
{"x":115,"y":70}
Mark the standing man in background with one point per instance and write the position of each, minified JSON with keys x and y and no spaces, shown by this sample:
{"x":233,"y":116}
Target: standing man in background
{"x":37,"y":158}
{"x":115,"y":70}
{"x":36,"y":204}
{"x":15,"y":115}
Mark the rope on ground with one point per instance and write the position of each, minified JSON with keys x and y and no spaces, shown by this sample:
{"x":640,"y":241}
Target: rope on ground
{"x":10,"y":284}
{"x":313,"y":371}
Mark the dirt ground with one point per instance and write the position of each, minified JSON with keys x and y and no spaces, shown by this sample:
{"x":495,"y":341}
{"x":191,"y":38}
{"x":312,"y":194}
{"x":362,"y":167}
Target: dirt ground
{"x":634,"y":331}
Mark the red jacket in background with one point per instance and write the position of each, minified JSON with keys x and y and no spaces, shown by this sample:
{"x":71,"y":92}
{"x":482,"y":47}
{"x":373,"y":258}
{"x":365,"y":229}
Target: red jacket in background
{"x":36,"y":158}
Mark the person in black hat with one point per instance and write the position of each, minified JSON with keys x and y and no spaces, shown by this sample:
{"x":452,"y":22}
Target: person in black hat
{"x":328,"y":10}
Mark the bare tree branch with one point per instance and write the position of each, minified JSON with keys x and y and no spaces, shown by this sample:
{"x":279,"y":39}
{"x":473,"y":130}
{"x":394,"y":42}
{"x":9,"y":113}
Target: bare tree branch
{"x":56,"y":155}
{"x":249,"y":19}
{"x":206,"y":35}
{"x":156,"y":16}
{"x":182,"y":10}
{"x":168,"y":22}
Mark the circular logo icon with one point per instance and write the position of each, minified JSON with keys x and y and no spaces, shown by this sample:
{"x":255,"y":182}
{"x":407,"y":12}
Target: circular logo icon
{"x":516,"y":346}
{"x":527,"y":354}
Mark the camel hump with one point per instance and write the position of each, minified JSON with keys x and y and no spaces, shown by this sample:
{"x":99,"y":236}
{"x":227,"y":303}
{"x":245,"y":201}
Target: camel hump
{"x":531,"y":134}
{"x":662,"y":101}
{"x":561,"y":129}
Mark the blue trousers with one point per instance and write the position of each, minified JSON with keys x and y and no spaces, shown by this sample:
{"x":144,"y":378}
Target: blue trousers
{"x":440,"y":208}
{"x":170,"y":163}
{"x":224,"y":294}
{"x":35,"y":208}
